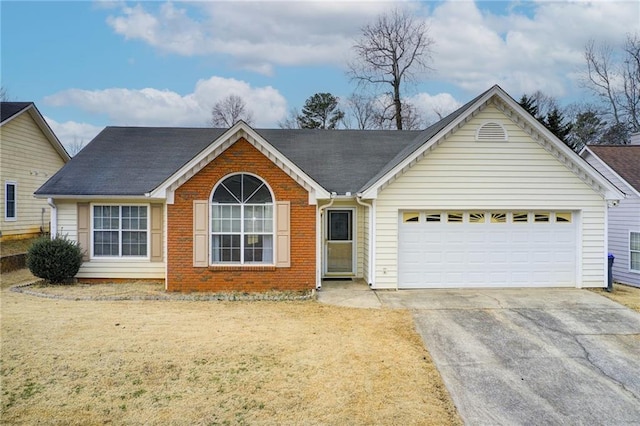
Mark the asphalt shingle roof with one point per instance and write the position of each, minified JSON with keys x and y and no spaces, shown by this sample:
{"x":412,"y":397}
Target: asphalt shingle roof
{"x":623,"y":159}
{"x":9,"y":109}
{"x":132,"y":161}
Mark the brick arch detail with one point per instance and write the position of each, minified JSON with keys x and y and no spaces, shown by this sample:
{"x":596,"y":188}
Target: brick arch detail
{"x":241,"y":157}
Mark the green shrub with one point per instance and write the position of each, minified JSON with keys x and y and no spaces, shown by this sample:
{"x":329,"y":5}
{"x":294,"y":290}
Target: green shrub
{"x":56,"y":260}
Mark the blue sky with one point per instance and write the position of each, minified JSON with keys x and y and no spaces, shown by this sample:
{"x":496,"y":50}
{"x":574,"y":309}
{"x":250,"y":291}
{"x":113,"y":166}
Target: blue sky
{"x":92,"y":64}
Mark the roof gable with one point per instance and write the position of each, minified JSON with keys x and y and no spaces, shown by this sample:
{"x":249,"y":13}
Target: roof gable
{"x":622,"y":160}
{"x":435,"y":135}
{"x":228,"y":138}
{"x":11,"y":110}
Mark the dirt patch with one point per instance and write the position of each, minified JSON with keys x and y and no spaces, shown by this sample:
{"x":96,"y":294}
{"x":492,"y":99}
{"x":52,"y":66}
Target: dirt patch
{"x":623,"y":294}
{"x":193,"y":362}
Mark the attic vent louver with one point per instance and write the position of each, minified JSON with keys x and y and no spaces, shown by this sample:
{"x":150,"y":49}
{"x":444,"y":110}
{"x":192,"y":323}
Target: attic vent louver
{"x":491,"y":131}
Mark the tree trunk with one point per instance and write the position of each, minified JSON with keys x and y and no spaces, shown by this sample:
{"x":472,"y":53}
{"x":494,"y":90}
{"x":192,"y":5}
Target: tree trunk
{"x":397,"y":103}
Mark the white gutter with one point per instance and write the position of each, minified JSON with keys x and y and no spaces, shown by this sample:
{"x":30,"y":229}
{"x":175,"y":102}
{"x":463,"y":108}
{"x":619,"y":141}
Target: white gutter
{"x":371,"y":237}
{"x":319,"y":250}
{"x":54,"y":217}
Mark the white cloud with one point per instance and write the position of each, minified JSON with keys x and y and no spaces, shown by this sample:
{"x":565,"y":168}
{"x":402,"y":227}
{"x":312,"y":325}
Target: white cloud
{"x":257,"y":35}
{"x":434,"y":107}
{"x":73,"y":133}
{"x":153,"y":107}
{"x":526,"y":47}
{"x":540,"y":50}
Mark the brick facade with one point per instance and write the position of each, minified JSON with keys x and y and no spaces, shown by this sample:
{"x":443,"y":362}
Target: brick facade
{"x":240,"y":157}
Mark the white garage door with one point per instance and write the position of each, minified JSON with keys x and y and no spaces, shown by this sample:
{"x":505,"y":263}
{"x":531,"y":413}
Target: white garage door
{"x":487,"y":249}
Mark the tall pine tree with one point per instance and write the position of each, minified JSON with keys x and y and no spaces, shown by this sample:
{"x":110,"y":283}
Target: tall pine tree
{"x":320,"y":111}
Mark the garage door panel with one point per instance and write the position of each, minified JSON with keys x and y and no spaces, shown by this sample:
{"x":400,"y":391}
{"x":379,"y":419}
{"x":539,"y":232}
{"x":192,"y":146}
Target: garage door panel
{"x":504,"y":254}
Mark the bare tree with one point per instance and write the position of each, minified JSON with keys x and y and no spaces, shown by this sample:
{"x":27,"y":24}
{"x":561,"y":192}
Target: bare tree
{"x":390,"y":52}
{"x":74,"y":147}
{"x":615,"y":79}
{"x":4,"y":94}
{"x":291,"y":120}
{"x":230,"y":110}
{"x":362,"y":109}
{"x":411,"y":117}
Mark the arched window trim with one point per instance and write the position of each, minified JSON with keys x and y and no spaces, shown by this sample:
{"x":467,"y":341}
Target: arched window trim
{"x":250,"y":246}
{"x":482,"y":137}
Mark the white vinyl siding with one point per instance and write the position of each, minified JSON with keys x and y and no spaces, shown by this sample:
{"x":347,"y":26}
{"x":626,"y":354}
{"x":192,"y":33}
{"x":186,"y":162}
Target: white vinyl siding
{"x":28,"y":159}
{"x":623,"y":219}
{"x":104,"y":268}
{"x":363,"y":248}
{"x":462,"y":174}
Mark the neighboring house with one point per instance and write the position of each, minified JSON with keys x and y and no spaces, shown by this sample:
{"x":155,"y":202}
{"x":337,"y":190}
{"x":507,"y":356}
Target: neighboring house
{"x":31,"y":153}
{"x":487,"y":197}
{"x":621,"y":165}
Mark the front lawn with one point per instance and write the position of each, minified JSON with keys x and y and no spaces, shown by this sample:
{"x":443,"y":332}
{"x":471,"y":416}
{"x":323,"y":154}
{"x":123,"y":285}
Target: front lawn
{"x":184,"y":362}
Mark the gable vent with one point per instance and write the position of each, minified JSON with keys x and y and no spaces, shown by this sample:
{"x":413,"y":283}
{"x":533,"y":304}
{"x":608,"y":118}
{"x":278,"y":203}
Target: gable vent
{"x":491,"y":131}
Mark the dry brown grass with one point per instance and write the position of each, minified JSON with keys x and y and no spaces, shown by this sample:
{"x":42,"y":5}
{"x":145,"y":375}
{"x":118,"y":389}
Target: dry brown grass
{"x":176,"y":362}
{"x":623,"y":294}
{"x":15,"y":246}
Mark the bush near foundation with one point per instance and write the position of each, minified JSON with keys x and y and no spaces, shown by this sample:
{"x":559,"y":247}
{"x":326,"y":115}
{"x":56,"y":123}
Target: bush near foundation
{"x":56,"y":260}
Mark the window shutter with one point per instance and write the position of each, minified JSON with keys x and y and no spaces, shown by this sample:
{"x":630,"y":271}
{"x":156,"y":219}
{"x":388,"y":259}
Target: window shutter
{"x":156,"y":232}
{"x":283,"y":234}
{"x":200,"y":234}
{"x":84,"y":218}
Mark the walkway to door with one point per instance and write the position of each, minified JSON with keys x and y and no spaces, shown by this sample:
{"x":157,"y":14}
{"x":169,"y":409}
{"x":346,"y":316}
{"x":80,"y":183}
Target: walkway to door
{"x":350,"y":293}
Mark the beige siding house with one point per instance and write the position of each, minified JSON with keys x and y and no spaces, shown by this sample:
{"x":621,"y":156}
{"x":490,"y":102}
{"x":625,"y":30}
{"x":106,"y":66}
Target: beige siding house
{"x":31,"y":153}
{"x":487,"y":197}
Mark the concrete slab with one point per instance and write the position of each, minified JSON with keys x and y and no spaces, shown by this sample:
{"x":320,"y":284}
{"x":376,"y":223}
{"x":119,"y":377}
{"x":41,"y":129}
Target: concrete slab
{"x":531,"y":356}
{"x":348,"y":293}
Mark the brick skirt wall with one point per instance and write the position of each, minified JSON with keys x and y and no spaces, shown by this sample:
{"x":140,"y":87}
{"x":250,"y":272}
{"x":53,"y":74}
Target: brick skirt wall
{"x":241,"y":157}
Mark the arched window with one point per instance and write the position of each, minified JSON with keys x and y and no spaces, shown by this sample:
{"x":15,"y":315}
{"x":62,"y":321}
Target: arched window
{"x":242,"y":221}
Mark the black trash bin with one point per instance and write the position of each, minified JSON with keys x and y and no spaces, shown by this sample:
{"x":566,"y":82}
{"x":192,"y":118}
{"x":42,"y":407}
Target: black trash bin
{"x":610,"y":282}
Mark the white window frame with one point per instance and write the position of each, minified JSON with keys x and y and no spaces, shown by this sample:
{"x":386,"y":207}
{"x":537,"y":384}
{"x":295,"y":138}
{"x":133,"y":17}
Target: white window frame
{"x":15,"y":200}
{"x":635,"y":271}
{"x":242,"y":232}
{"x":120,"y":256}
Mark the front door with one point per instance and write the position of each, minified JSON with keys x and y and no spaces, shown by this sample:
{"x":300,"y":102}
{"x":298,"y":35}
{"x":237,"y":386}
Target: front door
{"x":339,"y":242}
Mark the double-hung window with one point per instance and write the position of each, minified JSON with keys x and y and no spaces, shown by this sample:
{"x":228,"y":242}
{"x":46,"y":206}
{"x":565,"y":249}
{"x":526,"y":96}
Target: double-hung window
{"x":120,"y":231}
{"x":10,"y":200}
{"x":634,"y":251}
{"x":242,"y":221}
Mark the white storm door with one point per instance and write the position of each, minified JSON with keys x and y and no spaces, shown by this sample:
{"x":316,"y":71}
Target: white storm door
{"x":339,"y":242}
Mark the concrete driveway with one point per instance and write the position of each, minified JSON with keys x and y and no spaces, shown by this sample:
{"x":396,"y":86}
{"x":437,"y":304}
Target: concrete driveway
{"x":531,"y":356}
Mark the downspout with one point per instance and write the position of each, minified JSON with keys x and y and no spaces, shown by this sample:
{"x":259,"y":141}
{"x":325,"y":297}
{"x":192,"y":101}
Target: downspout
{"x":319,"y":241}
{"x":54,"y":217}
{"x":371,"y":236}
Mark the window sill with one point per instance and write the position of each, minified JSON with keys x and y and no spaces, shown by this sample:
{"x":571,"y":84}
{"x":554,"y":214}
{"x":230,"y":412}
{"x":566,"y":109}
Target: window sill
{"x":252,"y":268}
